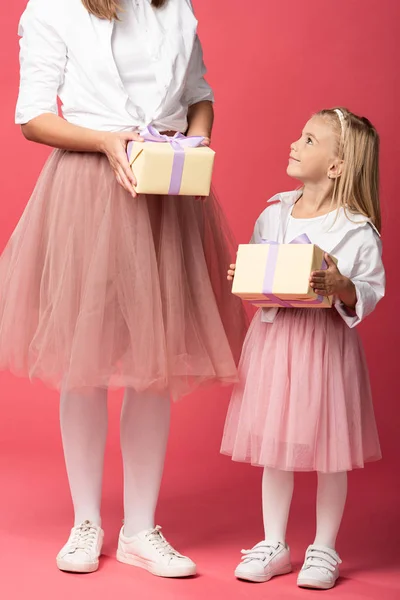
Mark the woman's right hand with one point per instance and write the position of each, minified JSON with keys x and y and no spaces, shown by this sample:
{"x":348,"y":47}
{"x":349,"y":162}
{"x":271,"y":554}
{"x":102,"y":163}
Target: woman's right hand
{"x":113,"y":145}
{"x":231,"y":272}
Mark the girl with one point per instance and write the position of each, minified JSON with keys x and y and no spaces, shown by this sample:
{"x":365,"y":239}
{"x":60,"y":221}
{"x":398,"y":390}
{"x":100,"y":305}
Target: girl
{"x":304,"y":402}
{"x":101,"y":288}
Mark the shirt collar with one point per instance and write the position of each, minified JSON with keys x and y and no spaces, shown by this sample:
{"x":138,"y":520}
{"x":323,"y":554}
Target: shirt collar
{"x":354,"y":220}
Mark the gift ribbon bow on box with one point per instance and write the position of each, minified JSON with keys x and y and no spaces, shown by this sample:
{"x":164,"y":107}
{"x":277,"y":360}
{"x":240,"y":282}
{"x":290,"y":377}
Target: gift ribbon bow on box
{"x":178,"y":142}
{"x":270,"y":273}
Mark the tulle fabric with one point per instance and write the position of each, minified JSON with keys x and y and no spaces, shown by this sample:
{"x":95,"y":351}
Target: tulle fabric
{"x":303,"y":402}
{"x":100,"y":289}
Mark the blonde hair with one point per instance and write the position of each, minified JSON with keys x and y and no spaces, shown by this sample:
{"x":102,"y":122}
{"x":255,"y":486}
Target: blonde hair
{"x":357,"y":188}
{"x":108,"y":9}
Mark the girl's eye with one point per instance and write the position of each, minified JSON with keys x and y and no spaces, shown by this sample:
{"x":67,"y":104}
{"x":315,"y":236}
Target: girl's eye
{"x":309,"y":140}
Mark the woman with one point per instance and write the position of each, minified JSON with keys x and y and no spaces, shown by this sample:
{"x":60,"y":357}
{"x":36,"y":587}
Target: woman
{"x":102,"y":288}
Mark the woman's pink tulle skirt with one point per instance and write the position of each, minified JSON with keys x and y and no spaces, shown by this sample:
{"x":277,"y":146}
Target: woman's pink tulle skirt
{"x":100,"y":289}
{"x":303,"y":402}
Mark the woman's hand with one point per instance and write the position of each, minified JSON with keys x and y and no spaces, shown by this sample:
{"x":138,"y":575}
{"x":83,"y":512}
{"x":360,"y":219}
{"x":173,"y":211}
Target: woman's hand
{"x":331,"y":282}
{"x":113,"y":145}
{"x":231,"y":272}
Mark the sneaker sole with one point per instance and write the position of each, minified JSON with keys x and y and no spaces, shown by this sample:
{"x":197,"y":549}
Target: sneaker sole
{"x":262,"y":578}
{"x":68,"y":567}
{"x":315,"y":585}
{"x":159,"y":571}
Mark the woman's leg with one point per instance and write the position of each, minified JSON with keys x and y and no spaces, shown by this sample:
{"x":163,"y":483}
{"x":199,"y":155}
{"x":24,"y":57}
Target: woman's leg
{"x":144,"y":434}
{"x":83,"y":418}
{"x":145,"y":420}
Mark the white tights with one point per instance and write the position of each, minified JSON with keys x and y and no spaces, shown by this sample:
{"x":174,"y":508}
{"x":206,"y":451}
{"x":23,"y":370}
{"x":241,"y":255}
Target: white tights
{"x":277,"y":492}
{"x":145,"y":422}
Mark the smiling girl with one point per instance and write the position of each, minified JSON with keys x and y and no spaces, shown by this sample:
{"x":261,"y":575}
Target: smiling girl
{"x":304,"y":401}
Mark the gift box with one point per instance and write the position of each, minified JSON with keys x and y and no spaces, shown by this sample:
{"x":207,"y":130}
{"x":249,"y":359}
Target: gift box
{"x":176,"y":166}
{"x":271,"y":274}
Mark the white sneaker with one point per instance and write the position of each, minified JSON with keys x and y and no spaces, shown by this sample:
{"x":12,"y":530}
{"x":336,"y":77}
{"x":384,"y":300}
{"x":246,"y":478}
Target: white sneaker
{"x":151,"y":551}
{"x":320,"y":569}
{"x":264,"y":561}
{"x":81,"y":553}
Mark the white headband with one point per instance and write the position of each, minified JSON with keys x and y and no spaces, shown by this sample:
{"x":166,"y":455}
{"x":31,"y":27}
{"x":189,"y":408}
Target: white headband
{"x":341,"y":119}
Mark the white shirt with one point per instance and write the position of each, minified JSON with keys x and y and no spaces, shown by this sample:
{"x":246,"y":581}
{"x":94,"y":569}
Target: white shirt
{"x":68,"y":52}
{"x":351,"y":238}
{"x":129,"y":47}
{"x":296,"y":227}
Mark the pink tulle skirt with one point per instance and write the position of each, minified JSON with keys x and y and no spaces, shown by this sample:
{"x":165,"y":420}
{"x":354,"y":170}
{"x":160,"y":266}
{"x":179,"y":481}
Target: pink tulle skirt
{"x":100,"y":289}
{"x":303,"y":402}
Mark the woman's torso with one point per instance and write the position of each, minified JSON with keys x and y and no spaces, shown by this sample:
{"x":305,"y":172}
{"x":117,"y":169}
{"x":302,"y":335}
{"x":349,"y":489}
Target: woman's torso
{"x":91,"y":89}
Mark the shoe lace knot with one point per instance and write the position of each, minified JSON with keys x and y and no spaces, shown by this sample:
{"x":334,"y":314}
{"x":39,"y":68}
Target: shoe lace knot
{"x":158,"y":541}
{"x":83,"y":537}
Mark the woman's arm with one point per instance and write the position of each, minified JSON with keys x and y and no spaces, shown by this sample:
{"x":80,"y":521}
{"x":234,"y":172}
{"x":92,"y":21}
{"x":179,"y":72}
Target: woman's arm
{"x":201,"y":119}
{"x":54,"y":131}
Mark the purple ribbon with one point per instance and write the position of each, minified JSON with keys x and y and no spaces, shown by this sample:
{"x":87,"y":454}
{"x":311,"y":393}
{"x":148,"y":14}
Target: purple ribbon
{"x":178,"y":142}
{"x":270,"y":274}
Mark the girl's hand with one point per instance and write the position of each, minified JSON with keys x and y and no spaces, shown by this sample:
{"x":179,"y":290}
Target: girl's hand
{"x":114,"y":145}
{"x":329,"y":281}
{"x":332,"y":282}
{"x":231,"y":272}
{"x":206,"y":141}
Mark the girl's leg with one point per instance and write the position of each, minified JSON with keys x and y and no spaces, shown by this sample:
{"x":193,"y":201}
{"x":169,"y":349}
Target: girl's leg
{"x":277,"y":492}
{"x":331,"y":499}
{"x":270,"y":557}
{"x":321,"y":564}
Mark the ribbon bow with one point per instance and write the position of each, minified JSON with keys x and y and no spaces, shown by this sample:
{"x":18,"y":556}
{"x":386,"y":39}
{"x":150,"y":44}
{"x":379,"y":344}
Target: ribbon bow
{"x":178,"y":142}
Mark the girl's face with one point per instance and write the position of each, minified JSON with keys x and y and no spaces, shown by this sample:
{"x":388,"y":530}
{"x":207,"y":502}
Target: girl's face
{"x":313,"y":158}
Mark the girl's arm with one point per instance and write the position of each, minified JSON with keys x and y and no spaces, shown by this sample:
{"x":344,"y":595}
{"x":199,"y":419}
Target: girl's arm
{"x":358,"y":294}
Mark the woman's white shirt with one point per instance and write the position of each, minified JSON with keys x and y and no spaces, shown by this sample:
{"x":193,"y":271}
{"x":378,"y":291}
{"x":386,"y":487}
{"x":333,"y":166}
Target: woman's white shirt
{"x":69,"y":53}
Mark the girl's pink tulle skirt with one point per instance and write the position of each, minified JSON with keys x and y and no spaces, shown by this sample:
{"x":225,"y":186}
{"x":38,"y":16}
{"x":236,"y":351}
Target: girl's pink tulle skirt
{"x":303,"y":402}
{"x":100,"y":289}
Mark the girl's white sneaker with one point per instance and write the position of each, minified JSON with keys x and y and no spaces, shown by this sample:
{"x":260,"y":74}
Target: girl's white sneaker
{"x":320,"y":570}
{"x":266,"y":560}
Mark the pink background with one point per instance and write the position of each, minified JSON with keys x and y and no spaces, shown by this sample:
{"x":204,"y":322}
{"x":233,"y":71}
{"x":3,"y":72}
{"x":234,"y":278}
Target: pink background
{"x":272,"y":64}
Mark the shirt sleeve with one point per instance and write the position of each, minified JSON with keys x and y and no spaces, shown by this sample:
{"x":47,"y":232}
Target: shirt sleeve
{"x":43,"y":56}
{"x":368,"y":276}
{"x":256,"y":238}
{"x":197,"y":89}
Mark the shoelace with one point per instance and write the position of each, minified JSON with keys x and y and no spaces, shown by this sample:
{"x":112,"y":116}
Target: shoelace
{"x":260,"y":551}
{"x":322,"y":559}
{"x":83,"y":537}
{"x":160,"y":544}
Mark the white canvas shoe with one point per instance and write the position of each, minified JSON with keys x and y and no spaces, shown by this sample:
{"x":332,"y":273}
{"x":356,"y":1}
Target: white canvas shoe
{"x":266,"y":560}
{"x":82,"y":551}
{"x":320,"y":569}
{"x":151,"y":551}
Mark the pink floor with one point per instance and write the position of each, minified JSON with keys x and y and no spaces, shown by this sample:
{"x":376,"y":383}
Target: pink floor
{"x":209,"y":509}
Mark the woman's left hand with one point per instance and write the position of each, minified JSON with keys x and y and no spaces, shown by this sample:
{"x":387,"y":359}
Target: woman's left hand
{"x":329,"y":281}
